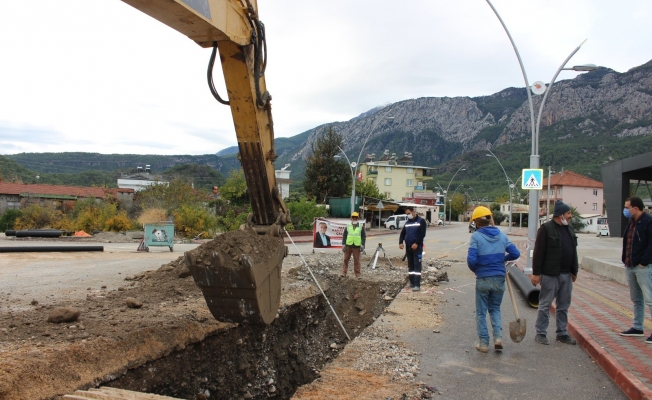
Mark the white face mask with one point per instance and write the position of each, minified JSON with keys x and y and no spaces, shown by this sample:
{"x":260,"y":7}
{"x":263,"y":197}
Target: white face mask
{"x":564,"y":221}
{"x":410,"y":216}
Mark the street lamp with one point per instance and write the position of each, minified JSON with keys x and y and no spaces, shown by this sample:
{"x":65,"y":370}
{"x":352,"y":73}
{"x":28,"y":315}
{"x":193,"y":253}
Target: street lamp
{"x":533,"y":214}
{"x":354,"y":165}
{"x":450,"y":201}
{"x":550,"y":170}
{"x":510,"y":187}
{"x":462,"y":168}
{"x":477,"y":199}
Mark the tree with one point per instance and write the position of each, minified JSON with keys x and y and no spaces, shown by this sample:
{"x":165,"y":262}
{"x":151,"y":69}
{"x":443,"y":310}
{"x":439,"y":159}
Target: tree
{"x":575,"y":221}
{"x":368,"y":188}
{"x":304,"y":212}
{"x":496,"y":214}
{"x":235,"y":188}
{"x":325,"y":175}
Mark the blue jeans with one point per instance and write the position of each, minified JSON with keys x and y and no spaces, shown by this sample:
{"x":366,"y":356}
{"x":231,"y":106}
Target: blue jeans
{"x":488,"y":296}
{"x":640,"y":291}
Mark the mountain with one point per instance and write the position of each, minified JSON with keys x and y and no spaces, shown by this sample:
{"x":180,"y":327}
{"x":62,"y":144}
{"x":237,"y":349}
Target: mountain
{"x":597,"y":117}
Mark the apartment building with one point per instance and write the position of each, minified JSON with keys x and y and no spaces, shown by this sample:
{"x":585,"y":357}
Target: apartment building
{"x":585,"y":194}
{"x":395,"y":177}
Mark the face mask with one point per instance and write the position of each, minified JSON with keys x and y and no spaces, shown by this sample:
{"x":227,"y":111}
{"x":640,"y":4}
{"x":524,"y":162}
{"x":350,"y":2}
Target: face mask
{"x":627,"y":213}
{"x":410,"y":216}
{"x":564,"y":221}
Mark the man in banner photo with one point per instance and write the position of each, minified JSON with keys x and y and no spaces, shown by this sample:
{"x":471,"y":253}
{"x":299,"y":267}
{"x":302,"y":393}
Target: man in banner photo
{"x":321,"y":238}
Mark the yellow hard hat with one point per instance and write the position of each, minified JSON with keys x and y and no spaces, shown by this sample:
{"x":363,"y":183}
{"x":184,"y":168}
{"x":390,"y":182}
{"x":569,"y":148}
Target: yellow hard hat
{"x":480,"y":211}
{"x":354,"y":214}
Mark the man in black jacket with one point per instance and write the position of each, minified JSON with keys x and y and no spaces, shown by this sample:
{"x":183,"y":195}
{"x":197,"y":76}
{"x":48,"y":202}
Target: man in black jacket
{"x":413,"y":233}
{"x":637,"y":257}
{"x":554,"y":265}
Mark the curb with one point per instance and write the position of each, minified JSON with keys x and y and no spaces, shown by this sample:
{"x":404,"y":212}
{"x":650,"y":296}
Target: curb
{"x":625,"y":380}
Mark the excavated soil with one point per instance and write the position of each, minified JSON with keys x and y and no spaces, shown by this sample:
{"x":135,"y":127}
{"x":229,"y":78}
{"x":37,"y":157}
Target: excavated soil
{"x":172,"y":346}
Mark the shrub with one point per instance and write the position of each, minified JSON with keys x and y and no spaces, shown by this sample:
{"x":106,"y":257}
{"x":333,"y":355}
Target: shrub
{"x":8,"y":219}
{"x":152,"y":215}
{"x":193,"y":221}
{"x":304,"y":212}
{"x":36,"y":216}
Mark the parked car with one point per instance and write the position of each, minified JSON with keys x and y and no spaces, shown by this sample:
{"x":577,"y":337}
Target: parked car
{"x":396,"y":221}
{"x":472,"y":227}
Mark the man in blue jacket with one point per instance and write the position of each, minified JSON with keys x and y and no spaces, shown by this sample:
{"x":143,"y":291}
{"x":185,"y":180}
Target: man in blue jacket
{"x":486,"y":258}
{"x":637,"y":257}
{"x":413,"y":233}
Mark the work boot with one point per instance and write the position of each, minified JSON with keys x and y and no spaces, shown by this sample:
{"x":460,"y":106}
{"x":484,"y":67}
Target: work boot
{"x":482,"y":347}
{"x":498,"y":344}
{"x":542,"y":339}
{"x":566,"y":339}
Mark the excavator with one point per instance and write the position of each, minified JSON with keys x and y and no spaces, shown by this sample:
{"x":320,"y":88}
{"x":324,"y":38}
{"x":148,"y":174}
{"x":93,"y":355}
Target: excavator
{"x":248,"y":292}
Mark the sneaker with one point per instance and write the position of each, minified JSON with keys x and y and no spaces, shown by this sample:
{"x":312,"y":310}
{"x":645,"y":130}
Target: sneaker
{"x":566,"y":339}
{"x":482,"y":347}
{"x":632,"y":332}
{"x":498,"y":344}
{"x":411,"y":285}
{"x":542,"y":339}
{"x":649,"y":340}
{"x":416,"y":289}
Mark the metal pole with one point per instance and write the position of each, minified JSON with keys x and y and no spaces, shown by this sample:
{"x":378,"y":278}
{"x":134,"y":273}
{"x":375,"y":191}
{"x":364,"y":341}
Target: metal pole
{"x":509,"y":187}
{"x":548,"y":197}
{"x":533,"y":215}
{"x":448,"y":187}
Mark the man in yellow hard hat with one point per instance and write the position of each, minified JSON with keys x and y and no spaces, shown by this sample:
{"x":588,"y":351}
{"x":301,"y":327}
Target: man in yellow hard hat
{"x":486,"y":258}
{"x":353,"y":240}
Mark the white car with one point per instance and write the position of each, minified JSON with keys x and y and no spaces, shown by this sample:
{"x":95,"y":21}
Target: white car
{"x":396,"y":221}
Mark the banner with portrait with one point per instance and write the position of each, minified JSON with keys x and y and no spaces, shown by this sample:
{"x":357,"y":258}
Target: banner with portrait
{"x":327,"y":233}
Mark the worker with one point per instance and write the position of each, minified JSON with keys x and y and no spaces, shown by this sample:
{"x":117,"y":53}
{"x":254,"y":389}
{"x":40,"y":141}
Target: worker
{"x":353,"y":241}
{"x":413,"y":233}
{"x":486,"y":258}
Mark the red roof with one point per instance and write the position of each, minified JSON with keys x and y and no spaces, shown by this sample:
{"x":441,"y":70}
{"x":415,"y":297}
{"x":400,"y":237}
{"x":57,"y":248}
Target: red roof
{"x":38,"y":189}
{"x":570,"y":178}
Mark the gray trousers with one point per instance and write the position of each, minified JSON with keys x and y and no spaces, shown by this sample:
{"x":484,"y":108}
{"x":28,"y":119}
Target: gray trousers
{"x":559,"y":288}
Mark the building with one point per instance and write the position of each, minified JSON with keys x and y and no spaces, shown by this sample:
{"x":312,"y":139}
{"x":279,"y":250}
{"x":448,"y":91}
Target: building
{"x":585,"y":194}
{"x":140,"y":180}
{"x":396,"y":178}
{"x":283,"y":181}
{"x":14,"y":196}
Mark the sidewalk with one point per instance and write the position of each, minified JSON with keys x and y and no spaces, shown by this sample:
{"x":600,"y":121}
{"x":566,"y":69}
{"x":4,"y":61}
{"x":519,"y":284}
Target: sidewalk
{"x":600,"y":309}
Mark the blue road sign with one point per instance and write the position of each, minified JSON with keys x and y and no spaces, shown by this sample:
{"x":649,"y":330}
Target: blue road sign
{"x":532,"y":179}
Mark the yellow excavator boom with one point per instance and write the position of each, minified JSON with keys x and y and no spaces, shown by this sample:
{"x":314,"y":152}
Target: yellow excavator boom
{"x":248,"y":293}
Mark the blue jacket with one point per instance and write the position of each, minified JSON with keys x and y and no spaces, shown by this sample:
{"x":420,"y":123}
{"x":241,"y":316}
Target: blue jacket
{"x":487,"y":250}
{"x":641,"y":251}
{"x":414,"y":231}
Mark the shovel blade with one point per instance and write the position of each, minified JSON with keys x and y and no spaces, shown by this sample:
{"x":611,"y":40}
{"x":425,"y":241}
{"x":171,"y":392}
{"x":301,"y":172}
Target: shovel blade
{"x":517,"y":330}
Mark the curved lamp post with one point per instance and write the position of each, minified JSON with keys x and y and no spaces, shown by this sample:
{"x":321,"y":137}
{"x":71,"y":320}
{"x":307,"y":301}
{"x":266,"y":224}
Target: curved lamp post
{"x":477,"y":199}
{"x":533,"y":214}
{"x":354,"y":165}
{"x":450,"y":211}
{"x":462,"y":168}
{"x":510,"y":187}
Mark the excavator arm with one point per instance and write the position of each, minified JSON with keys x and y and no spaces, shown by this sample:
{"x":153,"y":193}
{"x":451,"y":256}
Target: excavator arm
{"x":248,"y":292}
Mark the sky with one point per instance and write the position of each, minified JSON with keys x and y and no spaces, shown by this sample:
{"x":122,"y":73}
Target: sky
{"x":101,"y":76}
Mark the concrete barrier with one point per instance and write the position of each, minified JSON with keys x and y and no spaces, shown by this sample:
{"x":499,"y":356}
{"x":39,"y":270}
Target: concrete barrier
{"x":610,"y":268}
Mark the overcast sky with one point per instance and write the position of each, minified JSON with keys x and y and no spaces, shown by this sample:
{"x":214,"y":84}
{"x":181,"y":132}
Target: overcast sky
{"x":100,"y":76}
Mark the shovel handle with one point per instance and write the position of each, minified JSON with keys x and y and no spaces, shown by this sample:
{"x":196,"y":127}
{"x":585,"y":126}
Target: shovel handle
{"x":511,"y":294}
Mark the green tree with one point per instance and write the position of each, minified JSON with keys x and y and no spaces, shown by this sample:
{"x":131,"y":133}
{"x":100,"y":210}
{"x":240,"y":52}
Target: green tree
{"x":325,"y":175}
{"x":304,"y":212}
{"x":169,"y":197}
{"x":235,"y":188}
{"x":368,"y":188}
{"x":458,"y":206}
{"x":8,"y":219}
{"x":496,"y":214}
{"x":576,"y":222}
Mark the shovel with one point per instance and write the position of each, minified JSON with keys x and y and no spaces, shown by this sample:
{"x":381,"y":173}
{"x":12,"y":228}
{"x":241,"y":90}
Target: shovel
{"x":516,"y":328}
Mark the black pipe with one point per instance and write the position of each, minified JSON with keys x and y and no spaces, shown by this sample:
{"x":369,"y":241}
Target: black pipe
{"x":524,"y":285}
{"x":39,"y":233}
{"x":10,"y":232}
{"x":49,"y":249}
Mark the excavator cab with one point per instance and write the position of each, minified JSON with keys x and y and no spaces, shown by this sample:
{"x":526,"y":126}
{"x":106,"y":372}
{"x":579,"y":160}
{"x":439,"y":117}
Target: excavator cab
{"x":240,"y":282}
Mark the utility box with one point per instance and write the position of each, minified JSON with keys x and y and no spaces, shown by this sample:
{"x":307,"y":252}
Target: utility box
{"x":159,"y":234}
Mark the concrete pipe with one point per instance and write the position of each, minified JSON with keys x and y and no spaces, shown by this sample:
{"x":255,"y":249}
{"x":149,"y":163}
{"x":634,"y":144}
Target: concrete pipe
{"x":48,"y":249}
{"x":524,"y":285}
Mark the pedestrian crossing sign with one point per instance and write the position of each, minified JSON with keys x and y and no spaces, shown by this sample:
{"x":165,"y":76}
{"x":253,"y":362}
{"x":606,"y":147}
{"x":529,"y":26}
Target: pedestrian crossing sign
{"x":532,"y":179}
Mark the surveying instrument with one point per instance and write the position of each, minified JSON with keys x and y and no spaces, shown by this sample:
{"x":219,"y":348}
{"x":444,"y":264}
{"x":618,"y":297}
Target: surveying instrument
{"x":374,"y":258}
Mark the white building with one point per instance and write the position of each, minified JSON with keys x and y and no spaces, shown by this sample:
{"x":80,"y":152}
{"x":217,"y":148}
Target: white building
{"x":140,"y":180}
{"x":283,"y":181}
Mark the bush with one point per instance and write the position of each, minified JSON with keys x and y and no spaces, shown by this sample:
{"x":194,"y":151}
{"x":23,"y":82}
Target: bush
{"x":304,"y":212}
{"x":36,"y":216}
{"x":193,"y":221}
{"x":8,"y":219}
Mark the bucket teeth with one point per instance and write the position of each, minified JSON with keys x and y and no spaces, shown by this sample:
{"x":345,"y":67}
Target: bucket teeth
{"x":246,"y":261}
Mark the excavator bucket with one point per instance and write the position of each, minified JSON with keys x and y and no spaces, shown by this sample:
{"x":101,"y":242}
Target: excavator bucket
{"x":240,"y":282}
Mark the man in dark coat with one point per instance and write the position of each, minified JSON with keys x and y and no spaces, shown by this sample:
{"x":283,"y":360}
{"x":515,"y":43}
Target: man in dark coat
{"x":555,"y":266}
{"x":413,"y":233}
